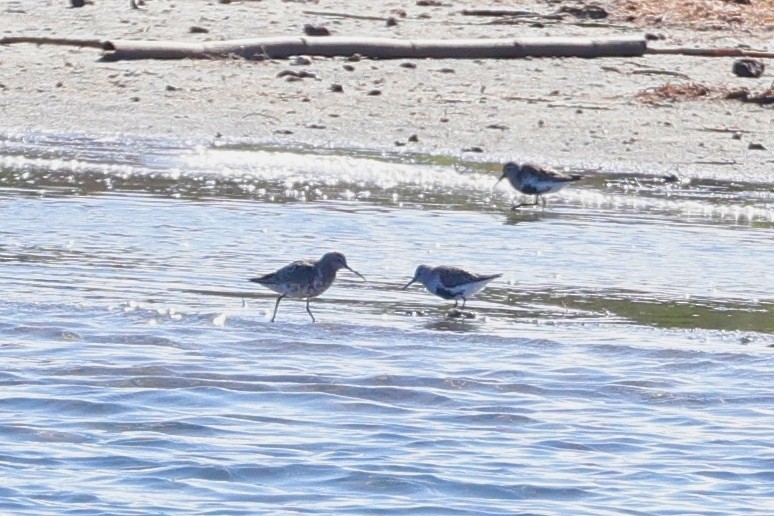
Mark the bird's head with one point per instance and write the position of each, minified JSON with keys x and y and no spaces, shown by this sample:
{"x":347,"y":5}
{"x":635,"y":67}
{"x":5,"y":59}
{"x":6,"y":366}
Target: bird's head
{"x":422,"y":274}
{"x":337,"y":261}
{"x":510,"y":170}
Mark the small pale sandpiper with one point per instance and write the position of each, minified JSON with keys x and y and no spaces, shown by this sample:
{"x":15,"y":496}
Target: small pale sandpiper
{"x":535,"y":180}
{"x":451,"y":282}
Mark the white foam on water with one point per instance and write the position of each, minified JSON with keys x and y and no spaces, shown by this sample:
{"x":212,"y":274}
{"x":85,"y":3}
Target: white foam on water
{"x":307,"y":176}
{"x":298,"y":170}
{"x":294,"y":169}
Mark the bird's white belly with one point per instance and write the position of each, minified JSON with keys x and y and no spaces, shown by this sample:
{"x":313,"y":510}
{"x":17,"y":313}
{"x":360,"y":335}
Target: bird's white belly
{"x":462,"y":291}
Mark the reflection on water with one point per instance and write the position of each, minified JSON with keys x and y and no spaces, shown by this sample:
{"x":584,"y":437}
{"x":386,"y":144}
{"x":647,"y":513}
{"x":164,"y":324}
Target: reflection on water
{"x":627,"y":344}
{"x":631,"y":246}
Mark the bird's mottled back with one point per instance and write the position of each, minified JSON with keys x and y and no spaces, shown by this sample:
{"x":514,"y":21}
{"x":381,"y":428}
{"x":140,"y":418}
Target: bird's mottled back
{"x":300,"y":271}
{"x":454,"y":277}
{"x":519,"y":174}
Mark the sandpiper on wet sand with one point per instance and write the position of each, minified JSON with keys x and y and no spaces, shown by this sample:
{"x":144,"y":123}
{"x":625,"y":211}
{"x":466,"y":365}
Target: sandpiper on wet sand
{"x":304,"y":279}
{"x":535,"y":180}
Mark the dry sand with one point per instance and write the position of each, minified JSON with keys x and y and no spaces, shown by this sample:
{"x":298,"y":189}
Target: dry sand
{"x":573,"y":112}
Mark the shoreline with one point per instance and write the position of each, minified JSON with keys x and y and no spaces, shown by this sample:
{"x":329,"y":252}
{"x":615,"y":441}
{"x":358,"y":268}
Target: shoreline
{"x":561,"y":112}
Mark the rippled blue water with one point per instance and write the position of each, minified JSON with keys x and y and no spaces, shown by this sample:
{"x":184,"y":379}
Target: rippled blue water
{"x":623,"y":364}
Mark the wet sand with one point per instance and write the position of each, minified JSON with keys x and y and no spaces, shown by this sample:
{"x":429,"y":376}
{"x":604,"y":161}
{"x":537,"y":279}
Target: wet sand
{"x":581,"y":113}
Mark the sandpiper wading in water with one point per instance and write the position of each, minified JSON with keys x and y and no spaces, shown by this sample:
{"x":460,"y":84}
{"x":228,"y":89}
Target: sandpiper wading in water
{"x":451,"y":282}
{"x":535,"y":180}
{"x":304,"y":279}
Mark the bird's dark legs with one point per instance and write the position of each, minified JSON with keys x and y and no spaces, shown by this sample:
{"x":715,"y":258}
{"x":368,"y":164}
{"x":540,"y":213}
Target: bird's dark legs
{"x":456,"y":302}
{"x":276,"y":305}
{"x":542,"y":199}
{"x":309,"y":311}
{"x":517,"y":206}
{"x":457,"y":312}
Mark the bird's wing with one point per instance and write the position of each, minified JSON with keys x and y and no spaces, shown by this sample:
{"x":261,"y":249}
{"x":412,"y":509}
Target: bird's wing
{"x":546,"y":174}
{"x":302,"y":272}
{"x":453,"y":277}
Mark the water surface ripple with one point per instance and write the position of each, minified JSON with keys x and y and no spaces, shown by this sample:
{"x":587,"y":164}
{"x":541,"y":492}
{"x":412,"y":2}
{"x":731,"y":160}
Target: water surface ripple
{"x":623,"y":364}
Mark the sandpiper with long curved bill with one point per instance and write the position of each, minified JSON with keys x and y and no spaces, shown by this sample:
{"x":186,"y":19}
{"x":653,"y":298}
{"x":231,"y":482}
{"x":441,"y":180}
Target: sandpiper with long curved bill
{"x":305,"y":279}
{"x":451,"y":282}
{"x":535,"y":180}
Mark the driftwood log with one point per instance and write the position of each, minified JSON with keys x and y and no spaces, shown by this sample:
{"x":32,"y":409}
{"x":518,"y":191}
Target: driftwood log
{"x":38,"y":40}
{"x":384,"y":48}
{"x":712,"y":52}
{"x":379,"y":48}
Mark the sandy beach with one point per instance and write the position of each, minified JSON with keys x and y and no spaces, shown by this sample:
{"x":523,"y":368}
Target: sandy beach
{"x":580,"y":113}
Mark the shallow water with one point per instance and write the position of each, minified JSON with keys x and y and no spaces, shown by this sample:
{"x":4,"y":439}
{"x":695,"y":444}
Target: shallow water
{"x":623,"y":364}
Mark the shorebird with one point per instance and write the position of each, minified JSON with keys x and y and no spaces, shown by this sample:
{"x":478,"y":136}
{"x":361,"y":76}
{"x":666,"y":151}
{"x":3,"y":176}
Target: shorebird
{"x":535,"y":180}
{"x":451,"y":282}
{"x":304,"y":279}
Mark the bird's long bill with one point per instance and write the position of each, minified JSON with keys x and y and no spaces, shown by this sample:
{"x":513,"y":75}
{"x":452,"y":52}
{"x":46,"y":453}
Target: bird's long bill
{"x":498,"y":181}
{"x":407,"y":285}
{"x":357,"y":273}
